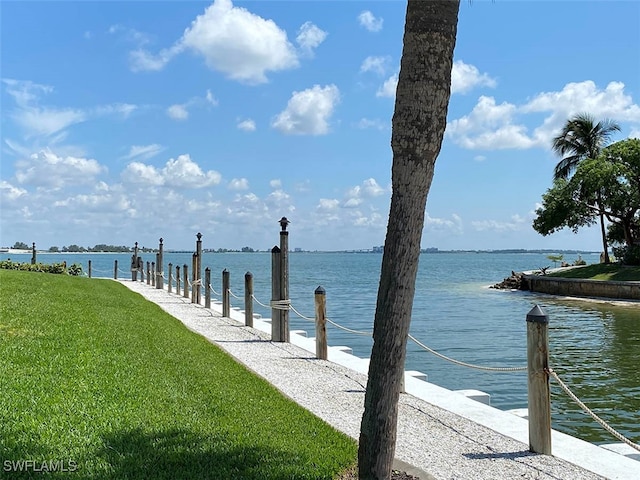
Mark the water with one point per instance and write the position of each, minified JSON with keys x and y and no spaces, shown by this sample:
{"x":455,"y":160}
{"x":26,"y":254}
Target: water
{"x":593,"y":346}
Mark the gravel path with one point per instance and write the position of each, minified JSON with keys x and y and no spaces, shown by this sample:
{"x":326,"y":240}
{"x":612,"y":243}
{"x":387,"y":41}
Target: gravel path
{"x":438,"y":443}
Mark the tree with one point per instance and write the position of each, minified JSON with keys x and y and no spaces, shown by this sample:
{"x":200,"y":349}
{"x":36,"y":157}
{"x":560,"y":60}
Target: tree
{"x":419,"y":121}
{"x":21,"y":246}
{"x":582,"y":138}
{"x":606,"y":186}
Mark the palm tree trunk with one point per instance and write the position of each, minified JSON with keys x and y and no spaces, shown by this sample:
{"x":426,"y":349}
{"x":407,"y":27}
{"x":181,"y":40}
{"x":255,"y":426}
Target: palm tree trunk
{"x":419,"y":121}
{"x":603,"y":232}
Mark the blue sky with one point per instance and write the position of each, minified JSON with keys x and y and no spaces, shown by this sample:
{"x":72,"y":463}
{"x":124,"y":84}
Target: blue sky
{"x":131,"y":121}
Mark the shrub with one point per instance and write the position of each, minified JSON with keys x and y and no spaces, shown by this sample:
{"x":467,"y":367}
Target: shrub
{"x":628,"y":255}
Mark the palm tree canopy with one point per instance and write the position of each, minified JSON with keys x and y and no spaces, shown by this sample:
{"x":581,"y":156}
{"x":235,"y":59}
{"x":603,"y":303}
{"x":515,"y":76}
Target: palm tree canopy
{"x":581,"y":138}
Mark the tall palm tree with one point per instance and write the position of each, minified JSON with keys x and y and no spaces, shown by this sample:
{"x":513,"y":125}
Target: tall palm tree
{"x":419,"y":121}
{"x":582,"y":138}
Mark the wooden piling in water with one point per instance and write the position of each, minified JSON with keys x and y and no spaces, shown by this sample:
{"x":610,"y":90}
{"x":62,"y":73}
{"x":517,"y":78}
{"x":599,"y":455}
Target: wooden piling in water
{"x":207,"y":287}
{"x":226,"y":303}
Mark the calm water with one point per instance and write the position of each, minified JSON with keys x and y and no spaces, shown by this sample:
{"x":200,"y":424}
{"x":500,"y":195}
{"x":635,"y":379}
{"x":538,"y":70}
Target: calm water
{"x":594,"y":346}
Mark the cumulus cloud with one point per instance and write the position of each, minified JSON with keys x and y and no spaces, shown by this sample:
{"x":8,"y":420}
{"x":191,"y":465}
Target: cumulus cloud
{"x":515,"y":223}
{"x":47,"y":169}
{"x":238,"y":184}
{"x":9,"y":193}
{"x":233,"y":41}
{"x":181,"y":173}
{"x":275,"y":183}
{"x":308,"y":112}
{"x":247,"y":125}
{"x":375,"y":64}
{"x":465,"y":77}
{"x":369,"y":21}
{"x":388,"y":88}
{"x":310,"y":37}
{"x":452,"y":225}
{"x":178,"y":112}
{"x":493,"y":126}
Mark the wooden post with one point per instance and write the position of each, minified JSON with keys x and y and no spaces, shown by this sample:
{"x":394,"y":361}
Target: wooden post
{"x":226,"y":304}
{"x":153,"y":273}
{"x":89,"y":269}
{"x":185,"y":275}
{"x":248,"y":299}
{"x":321,"y":323}
{"x":148,"y":273}
{"x":33,"y":254}
{"x":207,"y":287}
{"x":538,"y":381}
{"x":159,"y":267}
{"x":194,"y":279}
{"x":198,"y":272}
{"x":115,"y":269}
{"x":178,"y":279}
{"x":134,"y":264}
{"x":169,"y":278}
{"x":284,"y":275}
{"x":276,"y":265}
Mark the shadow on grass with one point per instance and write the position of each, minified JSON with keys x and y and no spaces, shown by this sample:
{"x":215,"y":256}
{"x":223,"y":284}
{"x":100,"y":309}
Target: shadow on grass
{"x":182,"y":454}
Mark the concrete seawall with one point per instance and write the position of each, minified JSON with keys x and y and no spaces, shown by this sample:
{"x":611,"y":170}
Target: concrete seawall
{"x":583,"y":288}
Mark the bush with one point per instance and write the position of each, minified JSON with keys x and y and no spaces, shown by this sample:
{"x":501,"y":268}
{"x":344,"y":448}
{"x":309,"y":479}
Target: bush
{"x":579,"y":261}
{"x":628,"y":255}
{"x":58,"y":268}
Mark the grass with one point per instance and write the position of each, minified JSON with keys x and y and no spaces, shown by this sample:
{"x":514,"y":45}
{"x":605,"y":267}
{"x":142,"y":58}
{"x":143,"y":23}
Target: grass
{"x":95,"y":375}
{"x":601,"y":271}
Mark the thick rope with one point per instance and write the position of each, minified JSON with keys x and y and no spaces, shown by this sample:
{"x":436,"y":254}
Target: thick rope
{"x":280,"y":304}
{"x":300,"y":315}
{"x":259,"y":302}
{"x":604,"y":424}
{"x":233,"y":294}
{"x":357,"y":332}
{"x":214,"y":292}
{"x":457,"y":362}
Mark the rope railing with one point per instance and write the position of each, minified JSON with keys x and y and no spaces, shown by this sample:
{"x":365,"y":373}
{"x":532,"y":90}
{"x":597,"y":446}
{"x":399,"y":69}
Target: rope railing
{"x":587,"y":410}
{"x":213,"y":291}
{"x":464,"y":364}
{"x":234,"y":295}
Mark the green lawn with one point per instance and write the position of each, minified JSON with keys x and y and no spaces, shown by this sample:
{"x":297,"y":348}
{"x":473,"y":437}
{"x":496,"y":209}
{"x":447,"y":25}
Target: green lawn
{"x":601,"y":272}
{"x":93,"y":374}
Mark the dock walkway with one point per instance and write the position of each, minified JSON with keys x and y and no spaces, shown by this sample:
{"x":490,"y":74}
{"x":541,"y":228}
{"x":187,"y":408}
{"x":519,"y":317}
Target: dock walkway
{"x":447,"y":437}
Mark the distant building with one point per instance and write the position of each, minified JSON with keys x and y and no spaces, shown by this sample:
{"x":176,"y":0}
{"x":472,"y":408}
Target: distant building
{"x":379,"y":249}
{"x":297,"y":249}
{"x":430,"y":250}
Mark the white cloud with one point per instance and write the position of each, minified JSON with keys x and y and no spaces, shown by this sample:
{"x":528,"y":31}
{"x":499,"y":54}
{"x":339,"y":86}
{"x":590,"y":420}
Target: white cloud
{"x":143,"y":152}
{"x":238,"y":184}
{"x":142,"y":61}
{"x":369,"y":21}
{"x":635,"y":133}
{"x":181,"y":173}
{"x":308,"y":111}
{"x":515,"y":223}
{"x":365,"y":123}
{"x":376,"y":65}
{"x":310,"y":37}
{"x":178,"y":112}
{"x":47,"y":169}
{"x":9,"y":193}
{"x":247,"y":125}
{"x":123,"y":109}
{"x":238,"y":43}
{"x":328,"y":205}
{"x":388,"y":88}
{"x":211,"y":99}
{"x":464,"y":77}
{"x":275,"y":183}
{"x":453,"y":225}
{"x":493,"y":126}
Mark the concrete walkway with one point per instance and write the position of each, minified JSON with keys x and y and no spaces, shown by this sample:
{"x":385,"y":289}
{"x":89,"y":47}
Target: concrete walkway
{"x":440,"y":443}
